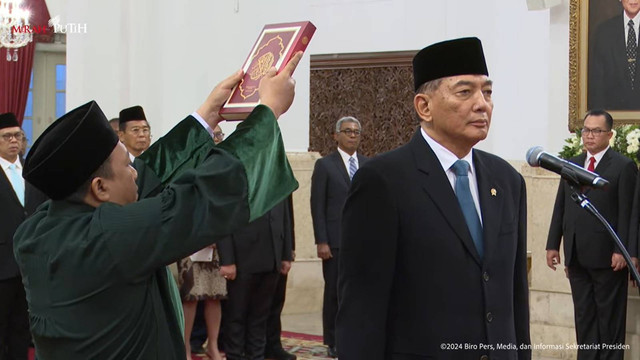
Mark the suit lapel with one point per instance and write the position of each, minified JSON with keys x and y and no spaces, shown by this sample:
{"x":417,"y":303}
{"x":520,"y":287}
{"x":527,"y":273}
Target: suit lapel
{"x":435,"y":183}
{"x":6,"y":186}
{"x":620,"y":56}
{"x":604,"y":163}
{"x":491,"y":197}
{"x":337,"y":162}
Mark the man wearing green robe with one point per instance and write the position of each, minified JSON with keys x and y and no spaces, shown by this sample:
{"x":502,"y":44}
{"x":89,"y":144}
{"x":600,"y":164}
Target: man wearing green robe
{"x":93,"y":259}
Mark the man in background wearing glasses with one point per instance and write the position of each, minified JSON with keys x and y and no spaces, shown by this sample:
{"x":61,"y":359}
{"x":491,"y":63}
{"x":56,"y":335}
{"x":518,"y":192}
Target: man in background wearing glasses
{"x":134,"y":131}
{"x":330,"y":184}
{"x":18,"y":200}
{"x":595,"y":267}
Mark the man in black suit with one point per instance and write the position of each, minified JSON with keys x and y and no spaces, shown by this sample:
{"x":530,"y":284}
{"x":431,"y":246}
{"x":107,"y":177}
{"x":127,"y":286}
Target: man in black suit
{"x":273,"y":348}
{"x":596,"y":268}
{"x":252,"y":260}
{"x":18,"y":199}
{"x":434,"y":261}
{"x":330,"y":184}
{"x":134,"y":130}
{"x":614,"y":77}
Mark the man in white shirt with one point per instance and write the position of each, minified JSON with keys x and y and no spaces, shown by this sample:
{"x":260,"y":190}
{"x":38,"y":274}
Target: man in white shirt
{"x":15,"y":205}
{"x":134,"y":131}
{"x":596,"y":269}
{"x":614,"y":76}
{"x":330,"y":184}
{"x":421,"y":269}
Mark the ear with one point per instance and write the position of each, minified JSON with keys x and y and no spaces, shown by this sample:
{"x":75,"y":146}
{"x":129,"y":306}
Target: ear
{"x":99,"y":189}
{"x":422,"y":105}
{"x":335,"y":136}
{"x":121,"y":136}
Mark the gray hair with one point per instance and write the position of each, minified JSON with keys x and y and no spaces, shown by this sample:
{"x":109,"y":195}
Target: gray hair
{"x":429,"y":86}
{"x":347,"y":119}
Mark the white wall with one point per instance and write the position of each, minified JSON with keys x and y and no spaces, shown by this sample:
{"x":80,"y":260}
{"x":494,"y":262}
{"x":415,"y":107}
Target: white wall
{"x":167,"y":57}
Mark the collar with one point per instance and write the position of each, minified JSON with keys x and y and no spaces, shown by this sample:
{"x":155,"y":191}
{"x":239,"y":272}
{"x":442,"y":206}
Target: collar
{"x":598,"y":156}
{"x":4,"y":163}
{"x":345,"y":157}
{"x":64,"y":207}
{"x":444,"y":155}
{"x":627,"y":18}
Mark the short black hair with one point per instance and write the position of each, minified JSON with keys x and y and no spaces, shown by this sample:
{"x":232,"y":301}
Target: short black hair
{"x":104,"y":171}
{"x":601,"y":112}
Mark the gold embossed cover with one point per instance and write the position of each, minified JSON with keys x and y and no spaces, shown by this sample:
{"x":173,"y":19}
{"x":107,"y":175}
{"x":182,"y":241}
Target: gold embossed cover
{"x":275,"y":46}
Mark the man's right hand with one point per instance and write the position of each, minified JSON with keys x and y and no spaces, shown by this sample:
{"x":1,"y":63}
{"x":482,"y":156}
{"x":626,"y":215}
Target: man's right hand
{"x":277,"y":91}
{"x":228,"y":271}
{"x":324,"y":252}
{"x":211,"y":107}
{"x":553,"y":259}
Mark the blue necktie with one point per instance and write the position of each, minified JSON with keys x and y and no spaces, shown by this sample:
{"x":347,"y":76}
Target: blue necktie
{"x":463,"y":193}
{"x":352,"y":167}
{"x":17,"y":182}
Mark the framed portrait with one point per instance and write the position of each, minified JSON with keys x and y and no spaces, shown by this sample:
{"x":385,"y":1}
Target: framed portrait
{"x":602,"y":61}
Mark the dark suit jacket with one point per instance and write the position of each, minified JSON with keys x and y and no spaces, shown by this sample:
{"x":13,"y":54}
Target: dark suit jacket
{"x":594,"y":246}
{"x":329,"y":188}
{"x":609,"y":84}
{"x":12,"y":214}
{"x":261,"y":245}
{"x":410,"y":278}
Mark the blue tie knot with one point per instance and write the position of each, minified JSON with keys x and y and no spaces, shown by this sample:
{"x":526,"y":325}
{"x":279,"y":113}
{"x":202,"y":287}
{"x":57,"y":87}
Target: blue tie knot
{"x":460,"y":168}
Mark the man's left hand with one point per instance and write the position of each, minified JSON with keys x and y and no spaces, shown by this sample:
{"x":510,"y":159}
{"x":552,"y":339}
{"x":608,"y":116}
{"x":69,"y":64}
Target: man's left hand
{"x":285,"y":267}
{"x":617,"y":262}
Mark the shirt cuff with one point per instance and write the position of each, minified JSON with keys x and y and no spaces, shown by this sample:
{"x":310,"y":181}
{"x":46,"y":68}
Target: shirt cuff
{"x":203,"y":123}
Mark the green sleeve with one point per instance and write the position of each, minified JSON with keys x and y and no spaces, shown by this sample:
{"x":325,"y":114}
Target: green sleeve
{"x":184,"y":147}
{"x":257,"y":143}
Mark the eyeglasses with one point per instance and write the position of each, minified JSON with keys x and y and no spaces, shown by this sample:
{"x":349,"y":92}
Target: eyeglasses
{"x":218,"y":135}
{"x":143,"y":131}
{"x":350,"y":132}
{"x":18,"y":136}
{"x":594,"y":132}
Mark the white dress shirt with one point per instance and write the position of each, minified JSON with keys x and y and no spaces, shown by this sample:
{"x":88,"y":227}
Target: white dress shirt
{"x":598,"y":157}
{"x":636,"y":24}
{"x":447,"y":158}
{"x":345,"y":159}
{"x":4,"y":163}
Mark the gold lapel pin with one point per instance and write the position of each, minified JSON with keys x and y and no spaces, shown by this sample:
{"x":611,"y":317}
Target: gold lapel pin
{"x":494,"y":192}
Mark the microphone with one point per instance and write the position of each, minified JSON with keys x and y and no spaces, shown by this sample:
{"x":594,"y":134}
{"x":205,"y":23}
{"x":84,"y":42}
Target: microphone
{"x":576,"y":175}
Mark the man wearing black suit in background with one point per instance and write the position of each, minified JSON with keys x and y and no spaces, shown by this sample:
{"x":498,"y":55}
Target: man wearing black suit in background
{"x":252,"y":260}
{"x":614,"y":76}
{"x":434,"y":251}
{"x":273,"y":348}
{"x":596,"y":268}
{"x":330,"y":184}
{"x":18,"y":199}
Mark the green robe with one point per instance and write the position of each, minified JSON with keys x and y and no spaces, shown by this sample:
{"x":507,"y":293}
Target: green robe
{"x":95,"y":277}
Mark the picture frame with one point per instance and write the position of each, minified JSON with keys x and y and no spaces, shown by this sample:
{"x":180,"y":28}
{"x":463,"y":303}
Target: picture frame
{"x":586,"y":31}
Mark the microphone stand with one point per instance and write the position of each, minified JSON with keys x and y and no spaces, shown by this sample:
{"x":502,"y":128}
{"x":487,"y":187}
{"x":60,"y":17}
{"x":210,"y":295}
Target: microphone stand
{"x":581,"y":199}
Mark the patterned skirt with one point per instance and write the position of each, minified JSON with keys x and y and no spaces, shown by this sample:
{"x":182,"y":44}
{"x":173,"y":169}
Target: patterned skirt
{"x":201,"y":280}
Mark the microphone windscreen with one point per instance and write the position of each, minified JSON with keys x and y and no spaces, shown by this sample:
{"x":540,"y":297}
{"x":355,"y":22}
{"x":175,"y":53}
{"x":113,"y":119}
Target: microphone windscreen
{"x":533,"y":155}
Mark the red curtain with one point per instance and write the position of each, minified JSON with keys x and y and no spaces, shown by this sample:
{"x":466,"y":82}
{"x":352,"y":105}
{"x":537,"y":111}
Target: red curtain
{"x":15,"y":77}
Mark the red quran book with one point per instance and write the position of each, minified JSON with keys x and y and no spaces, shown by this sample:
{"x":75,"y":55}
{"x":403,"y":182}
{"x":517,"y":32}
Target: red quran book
{"x":275,"y":46}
